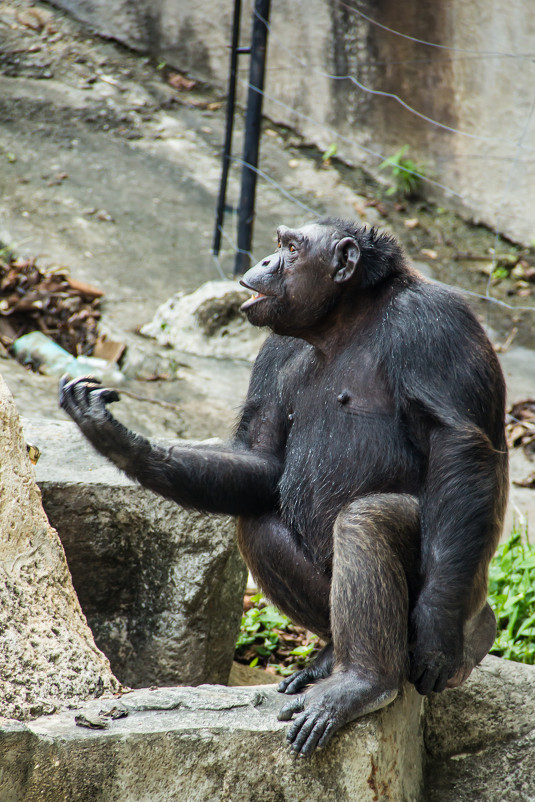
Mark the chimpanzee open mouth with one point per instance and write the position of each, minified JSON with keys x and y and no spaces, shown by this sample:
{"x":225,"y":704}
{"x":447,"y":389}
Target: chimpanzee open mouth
{"x":256,"y":296}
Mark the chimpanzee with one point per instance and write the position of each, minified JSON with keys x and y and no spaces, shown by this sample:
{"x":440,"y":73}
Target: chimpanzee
{"x":368,"y":470}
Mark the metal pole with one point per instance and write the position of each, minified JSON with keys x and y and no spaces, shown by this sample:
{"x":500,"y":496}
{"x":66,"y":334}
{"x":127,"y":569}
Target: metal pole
{"x":252,"y":134}
{"x":227,"y":145}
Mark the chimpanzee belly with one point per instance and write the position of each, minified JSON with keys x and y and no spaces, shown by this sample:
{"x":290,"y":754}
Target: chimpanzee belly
{"x":334,"y":455}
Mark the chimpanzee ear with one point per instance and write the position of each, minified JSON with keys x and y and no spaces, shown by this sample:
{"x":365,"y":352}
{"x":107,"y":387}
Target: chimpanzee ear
{"x":346,"y":259}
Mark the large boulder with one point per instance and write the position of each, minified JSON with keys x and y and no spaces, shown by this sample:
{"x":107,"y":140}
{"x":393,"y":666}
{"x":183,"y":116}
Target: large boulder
{"x":48,"y":658}
{"x":162,"y":587}
{"x":207,"y":322}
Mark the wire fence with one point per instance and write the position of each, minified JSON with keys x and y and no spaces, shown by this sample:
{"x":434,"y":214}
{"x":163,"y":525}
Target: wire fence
{"x":518,"y":146}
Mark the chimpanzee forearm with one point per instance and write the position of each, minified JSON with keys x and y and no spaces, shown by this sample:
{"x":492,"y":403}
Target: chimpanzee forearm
{"x":461,"y":511}
{"x":460,"y":505}
{"x":226,"y":479}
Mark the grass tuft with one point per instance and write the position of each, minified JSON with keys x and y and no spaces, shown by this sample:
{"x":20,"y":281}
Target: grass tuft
{"x":512,"y":597}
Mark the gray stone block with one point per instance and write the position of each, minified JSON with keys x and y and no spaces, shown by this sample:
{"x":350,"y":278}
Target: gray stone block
{"x":210,"y":744}
{"x":481,"y":737}
{"x":162,"y":588}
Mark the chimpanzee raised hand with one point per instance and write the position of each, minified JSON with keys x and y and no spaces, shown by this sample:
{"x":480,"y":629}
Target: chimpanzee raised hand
{"x":369,"y":470}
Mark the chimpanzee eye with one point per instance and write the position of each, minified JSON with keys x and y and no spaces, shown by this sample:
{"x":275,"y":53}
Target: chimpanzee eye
{"x":291,"y":248}
{"x":279,"y":244}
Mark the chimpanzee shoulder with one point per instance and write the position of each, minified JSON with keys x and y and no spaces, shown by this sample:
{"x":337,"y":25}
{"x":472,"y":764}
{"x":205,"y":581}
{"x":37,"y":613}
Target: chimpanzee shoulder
{"x":438,"y":355}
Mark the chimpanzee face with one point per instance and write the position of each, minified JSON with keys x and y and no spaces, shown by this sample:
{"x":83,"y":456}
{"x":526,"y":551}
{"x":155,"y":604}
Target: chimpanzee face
{"x":301,"y":282}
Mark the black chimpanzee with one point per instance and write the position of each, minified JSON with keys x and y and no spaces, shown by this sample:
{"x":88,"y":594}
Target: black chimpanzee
{"x":369,"y":470}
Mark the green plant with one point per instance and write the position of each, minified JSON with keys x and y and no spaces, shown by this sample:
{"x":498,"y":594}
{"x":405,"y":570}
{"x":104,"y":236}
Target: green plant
{"x":500,"y":273}
{"x":331,"y":151}
{"x":268,"y":637}
{"x":405,"y":173}
{"x":512,"y":597}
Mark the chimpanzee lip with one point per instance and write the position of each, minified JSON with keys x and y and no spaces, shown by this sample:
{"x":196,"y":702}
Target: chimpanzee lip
{"x":255,"y":298}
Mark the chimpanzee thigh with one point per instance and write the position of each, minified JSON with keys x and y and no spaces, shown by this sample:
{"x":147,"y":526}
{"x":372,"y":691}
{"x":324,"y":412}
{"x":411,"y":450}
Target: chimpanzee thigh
{"x":374,"y":583}
{"x":289,"y":578}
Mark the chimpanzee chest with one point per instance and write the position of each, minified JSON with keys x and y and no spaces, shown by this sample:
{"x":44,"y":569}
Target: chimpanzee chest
{"x":346,"y":439}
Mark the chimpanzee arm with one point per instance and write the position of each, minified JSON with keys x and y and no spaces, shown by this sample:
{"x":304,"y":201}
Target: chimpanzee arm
{"x":460,"y":523}
{"x":232,"y":479}
{"x":452,"y":392}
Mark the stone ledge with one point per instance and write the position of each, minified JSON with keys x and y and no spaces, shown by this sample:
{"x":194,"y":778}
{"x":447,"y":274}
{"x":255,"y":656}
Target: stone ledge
{"x":209,"y":744}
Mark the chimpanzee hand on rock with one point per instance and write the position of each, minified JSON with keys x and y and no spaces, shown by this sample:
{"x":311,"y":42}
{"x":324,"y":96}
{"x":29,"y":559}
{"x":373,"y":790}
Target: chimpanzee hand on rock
{"x":437,"y":653}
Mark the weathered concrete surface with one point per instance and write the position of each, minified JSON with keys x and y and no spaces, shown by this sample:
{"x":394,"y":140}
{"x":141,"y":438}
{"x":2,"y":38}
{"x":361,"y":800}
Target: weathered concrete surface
{"x":162,"y":588}
{"x":47,"y":653}
{"x":349,"y":78}
{"x":481,"y":737}
{"x":209,"y":745}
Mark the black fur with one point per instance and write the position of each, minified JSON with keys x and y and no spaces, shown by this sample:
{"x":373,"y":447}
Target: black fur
{"x":369,"y":468}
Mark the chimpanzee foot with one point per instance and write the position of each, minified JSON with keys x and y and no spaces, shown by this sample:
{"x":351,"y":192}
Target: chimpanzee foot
{"x":329,"y":705}
{"x":320,"y":668}
{"x":479,"y":636}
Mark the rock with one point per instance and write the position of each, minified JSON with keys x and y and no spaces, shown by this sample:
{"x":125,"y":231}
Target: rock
{"x":48,"y":657}
{"x":207,"y":322}
{"x":481,"y":736}
{"x":162,"y":588}
{"x":210,"y":744}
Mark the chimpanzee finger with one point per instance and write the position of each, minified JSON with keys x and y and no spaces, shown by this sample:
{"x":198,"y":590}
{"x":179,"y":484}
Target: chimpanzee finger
{"x":69,"y":399}
{"x":426,"y":682}
{"x":294,"y":683}
{"x":300,"y":729}
{"x":296,"y":705}
{"x":107,"y":395}
{"x":306,"y":732}
{"x":76,"y":389}
{"x":315,"y":737}
{"x":327,"y":735}
{"x":440,"y":683}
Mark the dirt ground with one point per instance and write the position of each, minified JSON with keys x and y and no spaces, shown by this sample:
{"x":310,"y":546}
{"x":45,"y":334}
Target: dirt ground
{"x":110,"y":170}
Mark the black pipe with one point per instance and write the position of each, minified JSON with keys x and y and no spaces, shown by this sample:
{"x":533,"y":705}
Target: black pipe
{"x":227,"y":145}
{"x":251,"y":143}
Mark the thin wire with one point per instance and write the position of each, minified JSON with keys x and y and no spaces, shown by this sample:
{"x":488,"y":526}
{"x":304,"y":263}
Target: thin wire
{"x":316,"y":214}
{"x":278,"y":186}
{"x":382,"y":93}
{"x":350,"y":141}
{"x":387,"y":160}
{"x":488,"y":298}
{"x":217,"y":262}
{"x":487,"y":53}
{"x":234,"y":245}
{"x":506,"y":190}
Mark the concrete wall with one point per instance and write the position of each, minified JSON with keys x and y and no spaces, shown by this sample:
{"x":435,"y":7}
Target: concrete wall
{"x":481,"y":83}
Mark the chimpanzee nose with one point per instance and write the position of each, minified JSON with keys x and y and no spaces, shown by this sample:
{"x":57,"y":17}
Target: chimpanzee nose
{"x":257,"y":275}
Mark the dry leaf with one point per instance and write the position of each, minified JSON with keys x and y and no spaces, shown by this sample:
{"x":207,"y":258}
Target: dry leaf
{"x":180,"y":82}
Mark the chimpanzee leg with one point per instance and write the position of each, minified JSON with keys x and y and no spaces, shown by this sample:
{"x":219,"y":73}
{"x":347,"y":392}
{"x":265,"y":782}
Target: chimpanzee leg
{"x":371,"y":584}
{"x":292,"y":582}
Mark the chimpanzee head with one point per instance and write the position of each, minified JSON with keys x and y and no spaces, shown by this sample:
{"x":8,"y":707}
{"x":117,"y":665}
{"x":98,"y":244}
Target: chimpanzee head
{"x":313,"y":268}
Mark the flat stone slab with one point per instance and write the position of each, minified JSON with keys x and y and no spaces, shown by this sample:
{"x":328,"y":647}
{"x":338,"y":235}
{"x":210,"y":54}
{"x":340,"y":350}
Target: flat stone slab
{"x":208,"y":744}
